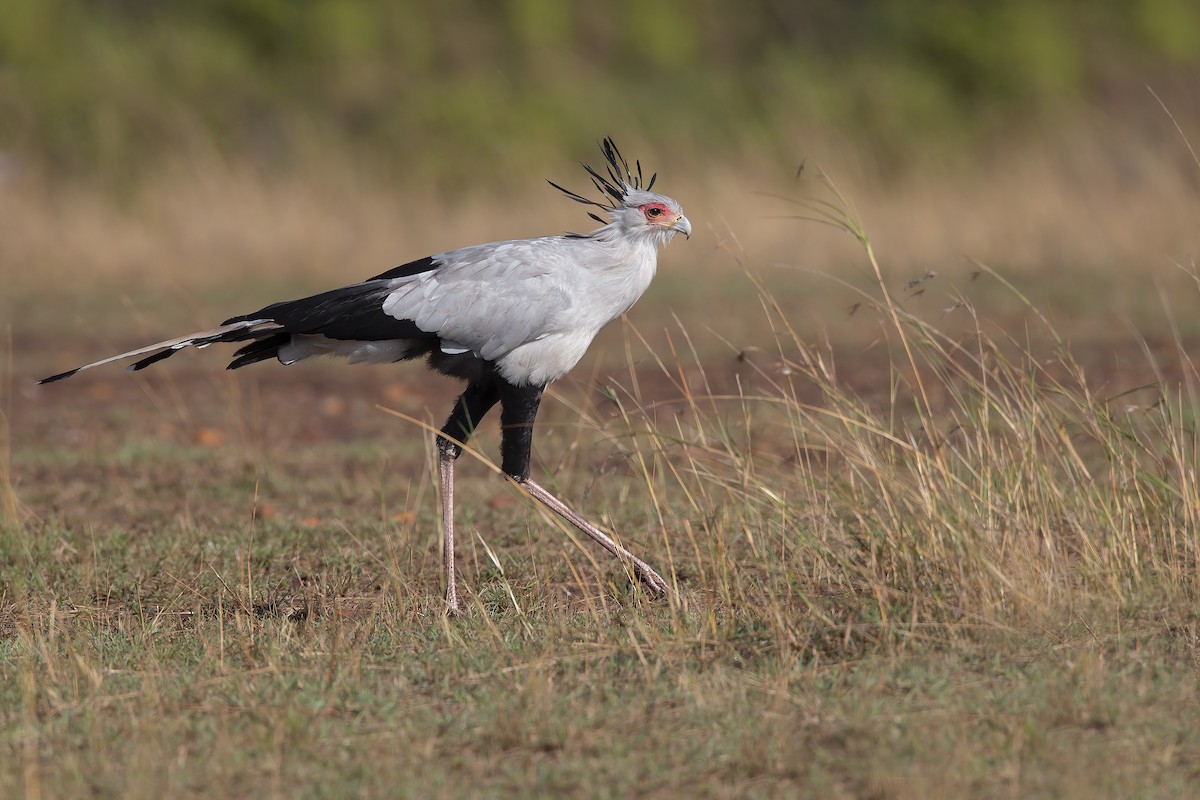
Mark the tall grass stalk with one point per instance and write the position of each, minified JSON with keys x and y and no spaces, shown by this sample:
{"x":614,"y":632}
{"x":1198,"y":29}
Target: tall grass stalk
{"x":10,"y":517}
{"x":986,"y":482}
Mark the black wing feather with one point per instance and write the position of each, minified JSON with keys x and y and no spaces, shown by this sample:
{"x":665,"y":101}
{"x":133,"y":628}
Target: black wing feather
{"x":261,"y":350}
{"x":351,"y":312}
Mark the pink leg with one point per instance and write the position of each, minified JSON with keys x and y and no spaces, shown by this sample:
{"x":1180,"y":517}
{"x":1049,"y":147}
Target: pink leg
{"x":652,"y":580}
{"x":446,"y":473}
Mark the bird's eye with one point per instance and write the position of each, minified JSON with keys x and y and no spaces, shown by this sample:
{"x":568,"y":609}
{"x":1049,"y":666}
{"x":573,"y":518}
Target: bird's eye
{"x":654,"y":212}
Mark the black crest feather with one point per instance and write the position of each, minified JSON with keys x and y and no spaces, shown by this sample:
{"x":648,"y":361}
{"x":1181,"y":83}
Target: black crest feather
{"x":613,"y":185}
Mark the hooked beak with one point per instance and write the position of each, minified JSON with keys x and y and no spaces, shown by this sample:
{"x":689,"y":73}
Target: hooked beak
{"x":683,"y":226}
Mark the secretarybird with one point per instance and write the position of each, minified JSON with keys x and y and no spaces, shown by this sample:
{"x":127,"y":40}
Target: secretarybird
{"x":506,"y":317}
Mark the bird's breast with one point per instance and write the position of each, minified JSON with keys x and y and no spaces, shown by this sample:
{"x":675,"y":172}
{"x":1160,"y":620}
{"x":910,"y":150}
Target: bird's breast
{"x":612,"y":290}
{"x":597,"y":296}
{"x":545,"y":360}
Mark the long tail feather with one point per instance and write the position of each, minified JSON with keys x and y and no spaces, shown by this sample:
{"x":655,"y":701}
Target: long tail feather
{"x":235,"y":332}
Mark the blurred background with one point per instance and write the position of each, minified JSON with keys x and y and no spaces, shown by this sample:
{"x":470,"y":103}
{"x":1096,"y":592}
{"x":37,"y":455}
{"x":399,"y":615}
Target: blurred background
{"x":156,"y":150}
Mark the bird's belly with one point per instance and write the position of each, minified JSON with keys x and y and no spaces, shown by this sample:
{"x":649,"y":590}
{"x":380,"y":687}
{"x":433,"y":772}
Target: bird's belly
{"x":544,"y":360}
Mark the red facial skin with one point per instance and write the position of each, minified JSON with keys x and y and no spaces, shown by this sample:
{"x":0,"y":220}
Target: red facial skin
{"x":657,"y":213}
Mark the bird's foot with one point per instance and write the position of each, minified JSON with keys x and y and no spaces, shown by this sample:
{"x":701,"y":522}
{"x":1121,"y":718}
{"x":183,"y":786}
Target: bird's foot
{"x":453,"y":609}
{"x":650,"y":579}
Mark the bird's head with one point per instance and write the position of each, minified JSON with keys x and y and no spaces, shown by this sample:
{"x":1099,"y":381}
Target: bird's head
{"x":633,"y":210}
{"x":643,"y":213}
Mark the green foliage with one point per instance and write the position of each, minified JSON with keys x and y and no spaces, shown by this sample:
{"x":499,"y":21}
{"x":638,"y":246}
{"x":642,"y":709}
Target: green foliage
{"x":106,"y":89}
{"x":1169,"y":27}
{"x":1017,"y":51}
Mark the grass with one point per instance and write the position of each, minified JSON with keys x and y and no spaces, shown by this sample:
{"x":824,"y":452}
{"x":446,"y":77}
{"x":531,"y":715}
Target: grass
{"x":954,"y":559}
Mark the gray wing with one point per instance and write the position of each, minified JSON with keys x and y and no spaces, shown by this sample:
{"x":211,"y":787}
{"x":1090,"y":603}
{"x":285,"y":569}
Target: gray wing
{"x":490,"y":299}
